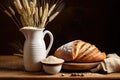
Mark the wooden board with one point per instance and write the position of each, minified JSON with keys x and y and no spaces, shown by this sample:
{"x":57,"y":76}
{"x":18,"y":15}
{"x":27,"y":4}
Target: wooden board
{"x":79,"y":66}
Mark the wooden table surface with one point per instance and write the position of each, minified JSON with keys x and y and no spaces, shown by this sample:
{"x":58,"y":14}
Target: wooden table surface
{"x":11,"y":68}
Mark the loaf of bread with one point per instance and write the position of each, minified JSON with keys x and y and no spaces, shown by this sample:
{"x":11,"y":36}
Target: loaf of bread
{"x":80,"y":51}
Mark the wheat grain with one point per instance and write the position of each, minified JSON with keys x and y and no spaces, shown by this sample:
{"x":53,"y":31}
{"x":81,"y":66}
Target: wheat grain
{"x":45,"y":13}
{"x":24,"y":4}
{"x":26,"y":7}
{"x":31,"y":21}
{"x":40,"y":11}
{"x":36,"y":16}
{"x":32,"y":8}
{"x":43,"y":23}
{"x":22,"y":21}
{"x":56,"y":13}
{"x":28,"y":11}
{"x":19,"y":4}
{"x":25,"y":19}
{"x":17,"y":7}
{"x":34,"y":2}
{"x":5,"y":11}
{"x":12,"y":11}
{"x":33,"y":14}
{"x":51,"y":9}
{"x":53,"y":16}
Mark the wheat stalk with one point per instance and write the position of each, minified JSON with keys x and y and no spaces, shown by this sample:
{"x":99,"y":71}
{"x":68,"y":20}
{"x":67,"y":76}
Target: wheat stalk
{"x":45,"y":15}
{"x":24,"y":4}
{"x":51,"y":9}
{"x":6,"y":12}
{"x":12,"y":11}
{"x":19,"y":4}
{"x":56,"y":13}
{"x":11,"y":14}
{"x":17,"y":7}
{"x":32,"y":8}
{"x":33,"y":14}
{"x":34,"y":2}
{"x":22,"y":21}
{"x":36,"y":17}
{"x":27,"y":7}
{"x":41,"y":12}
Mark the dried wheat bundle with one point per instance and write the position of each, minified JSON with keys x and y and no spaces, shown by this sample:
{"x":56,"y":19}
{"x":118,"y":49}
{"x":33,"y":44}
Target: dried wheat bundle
{"x":36,"y":13}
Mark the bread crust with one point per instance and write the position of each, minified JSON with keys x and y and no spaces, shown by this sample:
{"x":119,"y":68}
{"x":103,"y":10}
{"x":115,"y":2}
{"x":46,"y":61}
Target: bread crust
{"x":67,"y":51}
{"x":80,"y":51}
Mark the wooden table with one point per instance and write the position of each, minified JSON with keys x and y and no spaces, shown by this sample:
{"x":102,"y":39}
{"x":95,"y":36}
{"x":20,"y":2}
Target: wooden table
{"x":11,"y":68}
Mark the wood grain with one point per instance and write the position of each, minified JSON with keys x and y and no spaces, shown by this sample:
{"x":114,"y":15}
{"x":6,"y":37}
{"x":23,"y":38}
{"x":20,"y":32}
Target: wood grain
{"x":11,"y":68}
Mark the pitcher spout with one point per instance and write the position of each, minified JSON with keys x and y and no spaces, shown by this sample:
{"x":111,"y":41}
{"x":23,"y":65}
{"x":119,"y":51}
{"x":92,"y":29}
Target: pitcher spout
{"x":24,"y":32}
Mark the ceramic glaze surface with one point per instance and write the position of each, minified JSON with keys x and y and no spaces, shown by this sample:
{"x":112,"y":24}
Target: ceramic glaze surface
{"x":34,"y":47}
{"x":52,"y":69}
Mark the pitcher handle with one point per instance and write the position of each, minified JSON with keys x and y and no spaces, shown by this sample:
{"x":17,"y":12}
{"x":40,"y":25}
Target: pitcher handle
{"x":51,"y":40}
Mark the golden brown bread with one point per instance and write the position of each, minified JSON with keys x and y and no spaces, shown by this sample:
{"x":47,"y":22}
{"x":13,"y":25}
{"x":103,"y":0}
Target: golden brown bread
{"x":79,"y":51}
{"x":67,"y":52}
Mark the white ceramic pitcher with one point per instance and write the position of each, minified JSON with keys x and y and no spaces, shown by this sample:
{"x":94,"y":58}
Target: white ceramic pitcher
{"x":34,"y":47}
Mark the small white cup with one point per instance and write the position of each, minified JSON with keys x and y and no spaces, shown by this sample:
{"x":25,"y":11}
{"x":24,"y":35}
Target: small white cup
{"x":52,"y":65}
{"x":52,"y":68}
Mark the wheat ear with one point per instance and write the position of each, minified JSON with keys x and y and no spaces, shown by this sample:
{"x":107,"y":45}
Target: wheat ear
{"x":36,"y":17}
{"x":11,"y":10}
{"x":32,"y":8}
{"x":34,"y":2}
{"x":27,"y":7}
{"x":19,"y":4}
{"x":56,"y":13}
{"x":51,"y":9}
{"x":40,"y":12}
{"x":13,"y":13}
{"x":17,"y":8}
{"x":5,"y":11}
{"x":45,"y":15}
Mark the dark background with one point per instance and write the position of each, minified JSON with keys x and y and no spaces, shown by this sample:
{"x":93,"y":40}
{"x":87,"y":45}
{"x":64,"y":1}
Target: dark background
{"x":94,"y":21}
